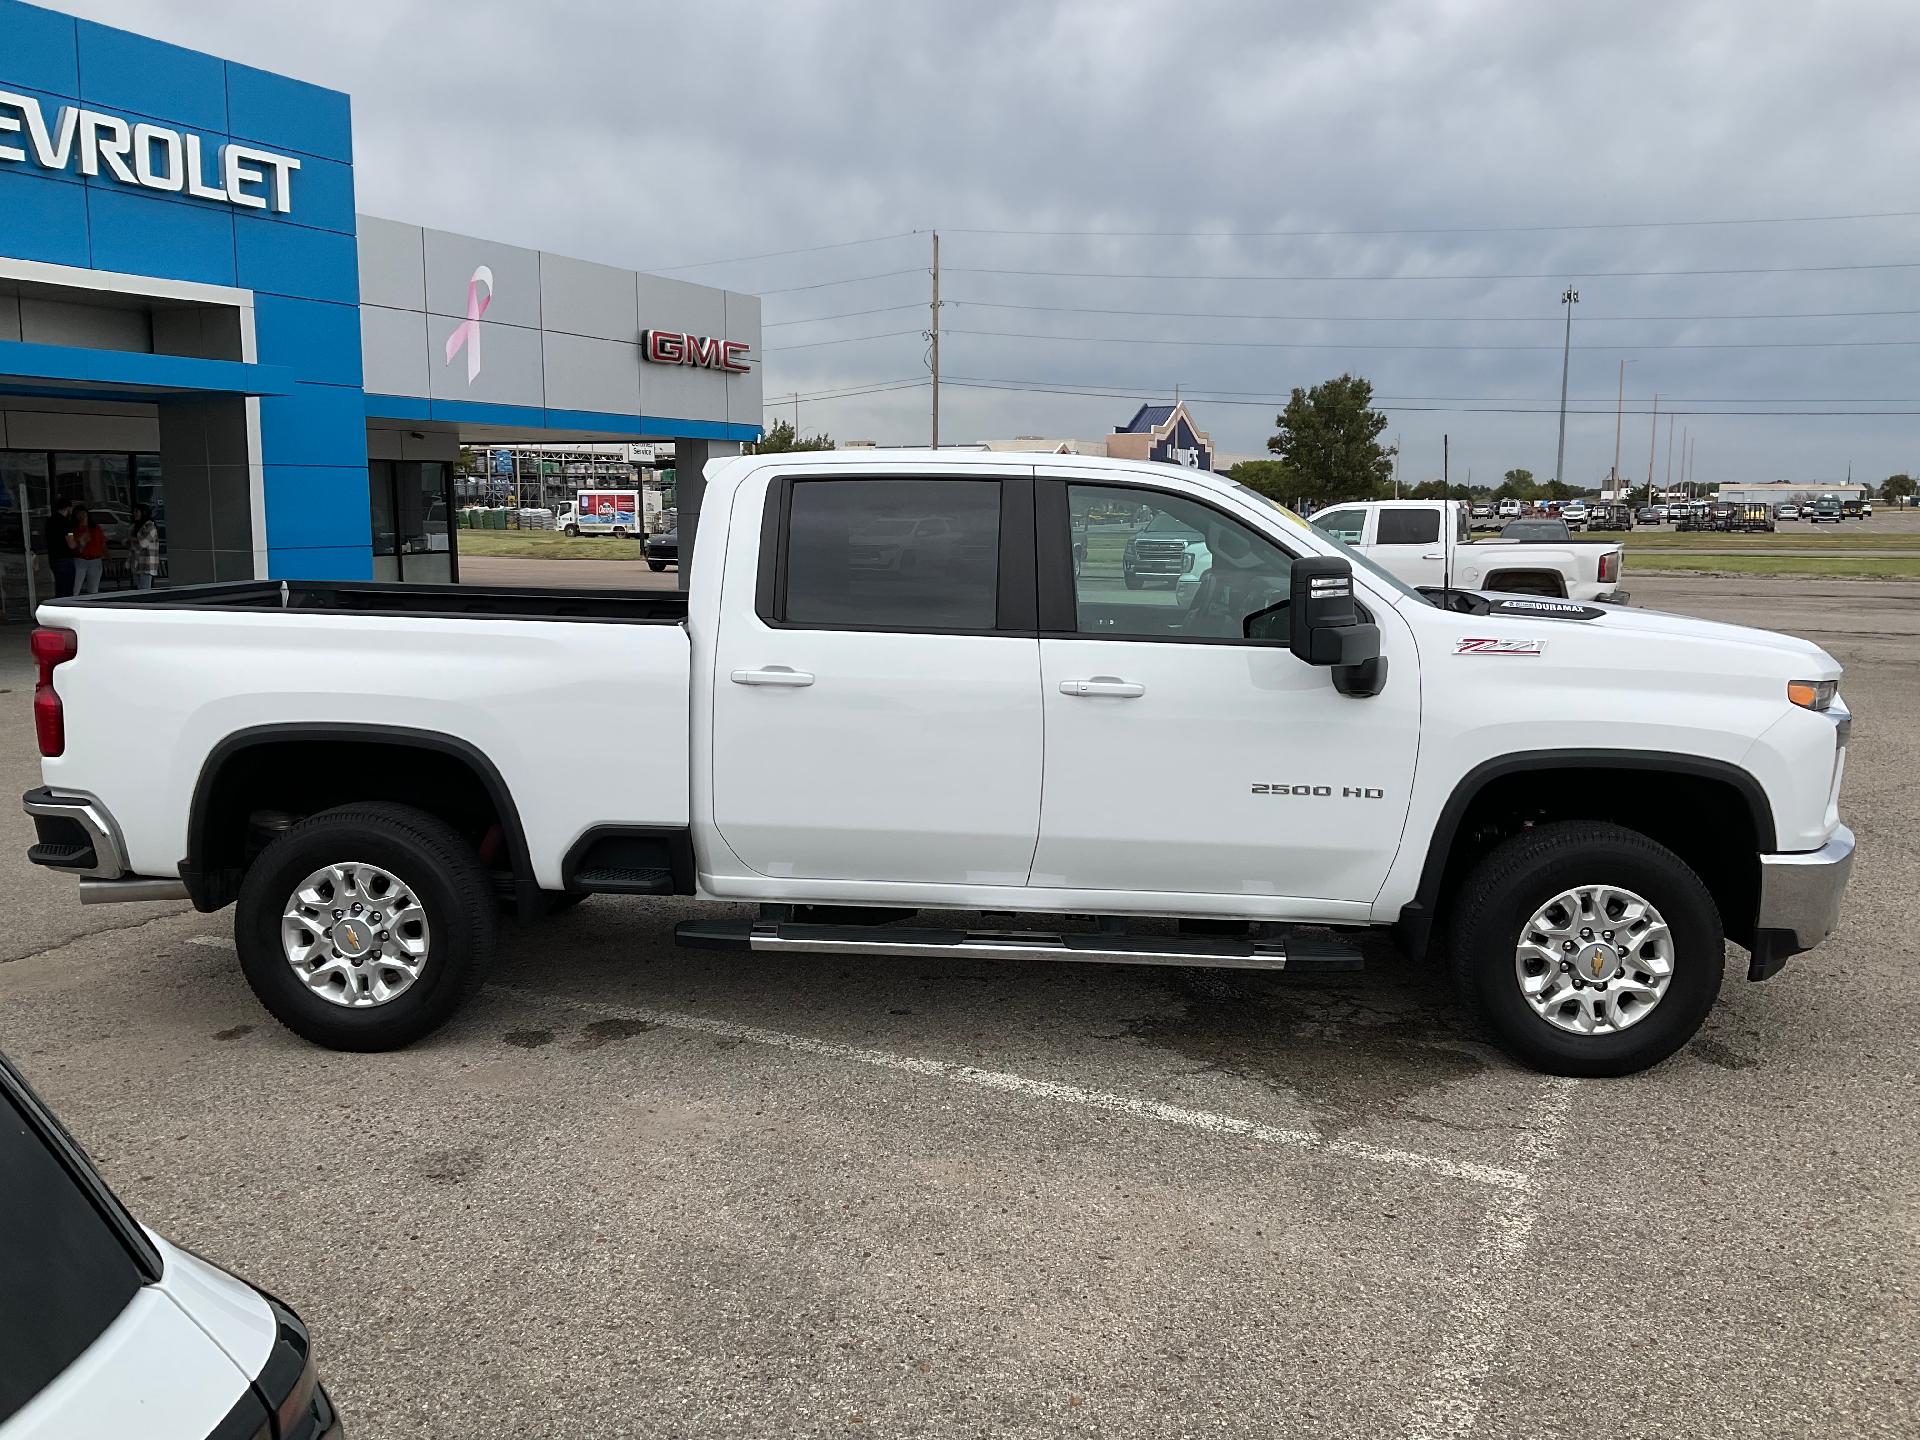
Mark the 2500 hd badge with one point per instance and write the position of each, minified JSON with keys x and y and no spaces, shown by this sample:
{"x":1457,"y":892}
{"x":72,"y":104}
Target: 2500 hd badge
{"x":1347,"y":792}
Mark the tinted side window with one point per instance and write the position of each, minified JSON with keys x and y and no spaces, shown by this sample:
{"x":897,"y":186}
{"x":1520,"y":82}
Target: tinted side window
{"x":65,"y":1275}
{"x":893,"y":554}
{"x":1155,"y":566}
{"x":1343,"y":525}
{"x":1409,"y":527}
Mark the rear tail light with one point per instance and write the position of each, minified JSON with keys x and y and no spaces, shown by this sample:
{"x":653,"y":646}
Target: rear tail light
{"x":1609,"y":567}
{"x":50,"y":649}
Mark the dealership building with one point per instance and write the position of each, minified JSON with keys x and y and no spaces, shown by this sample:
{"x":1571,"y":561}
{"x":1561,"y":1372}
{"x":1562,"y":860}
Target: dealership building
{"x":194,"y":317}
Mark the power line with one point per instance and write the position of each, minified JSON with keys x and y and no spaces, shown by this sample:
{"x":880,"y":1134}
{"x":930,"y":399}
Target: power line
{"x":1267,"y":396}
{"x":1439,"y":229}
{"x":850,"y":339}
{"x":775,"y":254}
{"x":1517,"y":275}
{"x":847,"y":392}
{"x":850,"y":280}
{"x":1374,"y":345}
{"x":1270,"y":402}
{"x":877,"y":310}
{"x":1399,"y":319}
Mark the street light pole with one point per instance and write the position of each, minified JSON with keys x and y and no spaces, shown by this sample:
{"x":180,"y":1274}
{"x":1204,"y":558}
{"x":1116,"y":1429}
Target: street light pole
{"x":1653,"y":444}
{"x":1569,"y":298}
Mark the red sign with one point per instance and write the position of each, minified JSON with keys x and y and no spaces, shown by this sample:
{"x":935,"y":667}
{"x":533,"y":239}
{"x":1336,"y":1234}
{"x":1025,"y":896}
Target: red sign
{"x":676,"y":347}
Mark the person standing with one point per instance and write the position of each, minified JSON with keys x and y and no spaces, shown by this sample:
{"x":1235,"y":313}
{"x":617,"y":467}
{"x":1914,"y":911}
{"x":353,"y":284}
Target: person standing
{"x":90,"y":553}
{"x":145,"y":544}
{"x":59,"y":544}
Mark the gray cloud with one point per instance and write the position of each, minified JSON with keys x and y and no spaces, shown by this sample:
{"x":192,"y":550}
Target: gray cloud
{"x":659,"y":135}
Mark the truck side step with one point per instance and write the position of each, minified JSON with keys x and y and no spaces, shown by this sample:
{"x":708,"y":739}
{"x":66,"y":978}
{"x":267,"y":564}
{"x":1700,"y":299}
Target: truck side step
{"x":1305,"y":954}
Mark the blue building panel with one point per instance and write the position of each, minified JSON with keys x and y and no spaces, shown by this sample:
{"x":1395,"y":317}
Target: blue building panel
{"x":343,"y":562}
{"x":277,"y":112}
{"x":50,"y":105}
{"x":318,"y":339}
{"x":41,"y":49}
{"x":295,"y":261}
{"x":315,"y":425}
{"x":43,"y":220}
{"x":135,"y":234}
{"x":320,"y":193}
{"x":122,"y":71}
{"x":316,"y":506}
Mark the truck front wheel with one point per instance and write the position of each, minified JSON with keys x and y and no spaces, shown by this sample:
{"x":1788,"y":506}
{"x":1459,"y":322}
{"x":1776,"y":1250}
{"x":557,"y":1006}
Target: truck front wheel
{"x":1588,"y":948}
{"x":365,"y":927}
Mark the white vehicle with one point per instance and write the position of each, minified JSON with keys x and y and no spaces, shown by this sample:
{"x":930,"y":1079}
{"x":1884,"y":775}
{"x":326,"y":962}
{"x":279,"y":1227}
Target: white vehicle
{"x":1574,"y":512}
{"x":600,"y":512}
{"x":1788,"y":511}
{"x":106,"y":1329}
{"x":1428,"y":544}
{"x":1511,"y":510}
{"x":1583,"y":801}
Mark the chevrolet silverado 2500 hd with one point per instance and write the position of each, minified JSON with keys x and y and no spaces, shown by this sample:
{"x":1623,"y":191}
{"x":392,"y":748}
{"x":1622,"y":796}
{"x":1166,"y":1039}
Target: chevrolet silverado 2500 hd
{"x":1431,"y":543}
{"x":1582,"y":801}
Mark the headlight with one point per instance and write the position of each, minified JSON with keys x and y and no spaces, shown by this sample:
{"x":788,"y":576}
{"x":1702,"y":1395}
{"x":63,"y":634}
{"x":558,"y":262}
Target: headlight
{"x":1812,"y":694}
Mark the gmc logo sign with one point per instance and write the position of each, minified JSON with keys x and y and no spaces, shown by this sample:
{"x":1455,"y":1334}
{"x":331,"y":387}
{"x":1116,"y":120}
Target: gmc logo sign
{"x":675,"y":347}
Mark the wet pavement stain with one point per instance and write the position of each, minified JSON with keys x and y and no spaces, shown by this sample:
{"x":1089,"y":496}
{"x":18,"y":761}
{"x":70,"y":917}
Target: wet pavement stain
{"x":593,"y":1036}
{"x":233,"y":1032}
{"x":1716,"y":1052}
{"x":528,"y":1039}
{"x":1347,"y":1057}
{"x":450,"y":1167}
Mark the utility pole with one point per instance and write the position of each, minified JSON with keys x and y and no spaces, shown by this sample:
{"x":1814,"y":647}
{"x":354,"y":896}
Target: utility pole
{"x":1446,"y":470}
{"x":1619,"y":408}
{"x":1669,"y":452}
{"x":934,"y":335}
{"x":1570,"y":298}
{"x":1396,"y":464}
{"x":1653,"y":444}
{"x":796,"y":415}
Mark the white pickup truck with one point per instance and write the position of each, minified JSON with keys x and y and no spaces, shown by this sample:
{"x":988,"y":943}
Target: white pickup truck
{"x":1582,"y":802}
{"x":1430,"y":544}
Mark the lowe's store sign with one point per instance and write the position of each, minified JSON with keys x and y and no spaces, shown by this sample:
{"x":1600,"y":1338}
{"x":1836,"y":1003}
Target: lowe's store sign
{"x":154,"y":157}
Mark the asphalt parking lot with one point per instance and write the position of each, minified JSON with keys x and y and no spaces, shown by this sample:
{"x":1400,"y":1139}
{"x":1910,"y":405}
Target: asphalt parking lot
{"x":639,"y":1191}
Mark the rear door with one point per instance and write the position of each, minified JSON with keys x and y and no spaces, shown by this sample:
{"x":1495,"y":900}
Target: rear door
{"x":876,"y":710}
{"x":1407,"y":541}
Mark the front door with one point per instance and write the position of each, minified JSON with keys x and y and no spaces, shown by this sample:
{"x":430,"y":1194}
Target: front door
{"x":876,"y":717}
{"x":1181,"y":756}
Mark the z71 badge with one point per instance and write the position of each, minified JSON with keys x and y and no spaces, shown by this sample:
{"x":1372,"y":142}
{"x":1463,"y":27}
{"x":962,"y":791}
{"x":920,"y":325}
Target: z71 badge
{"x":1499,"y":647}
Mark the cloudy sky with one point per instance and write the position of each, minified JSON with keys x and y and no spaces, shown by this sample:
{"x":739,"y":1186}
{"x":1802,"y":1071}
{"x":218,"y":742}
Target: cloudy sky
{"x":1224,"y":141}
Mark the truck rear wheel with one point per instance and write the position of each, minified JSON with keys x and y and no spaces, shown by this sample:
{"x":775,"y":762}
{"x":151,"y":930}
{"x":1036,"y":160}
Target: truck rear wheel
{"x":1588,"y":948}
{"x":365,"y":927}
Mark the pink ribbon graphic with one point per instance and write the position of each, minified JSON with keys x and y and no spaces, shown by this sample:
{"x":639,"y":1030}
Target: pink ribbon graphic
{"x":467,"y":333}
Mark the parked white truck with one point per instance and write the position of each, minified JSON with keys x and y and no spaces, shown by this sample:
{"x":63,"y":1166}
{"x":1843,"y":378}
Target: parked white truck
{"x":1430,"y":544}
{"x":1583,"y":802}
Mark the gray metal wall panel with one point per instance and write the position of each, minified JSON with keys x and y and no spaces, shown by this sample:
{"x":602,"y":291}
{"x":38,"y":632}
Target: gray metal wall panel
{"x":510,"y":371}
{"x":579,"y":297}
{"x":451,"y":262}
{"x":678,"y":391}
{"x":744,"y":397}
{"x":393,"y":351}
{"x":392,"y":264}
{"x":584,"y":374}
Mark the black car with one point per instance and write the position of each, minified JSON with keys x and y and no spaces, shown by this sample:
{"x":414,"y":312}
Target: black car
{"x":663,"y":549}
{"x":1610,"y":517}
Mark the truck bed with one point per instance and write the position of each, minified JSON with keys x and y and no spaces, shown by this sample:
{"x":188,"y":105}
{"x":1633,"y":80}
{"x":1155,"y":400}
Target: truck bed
{"x":372,"y":597}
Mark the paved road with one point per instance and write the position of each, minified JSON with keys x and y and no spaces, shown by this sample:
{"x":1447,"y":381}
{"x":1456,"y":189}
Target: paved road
{"x":586,"y":574}
{"x":640,"y":1191}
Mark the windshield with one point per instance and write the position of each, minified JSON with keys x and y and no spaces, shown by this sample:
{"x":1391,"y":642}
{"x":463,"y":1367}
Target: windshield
{"x":1359,"y":561}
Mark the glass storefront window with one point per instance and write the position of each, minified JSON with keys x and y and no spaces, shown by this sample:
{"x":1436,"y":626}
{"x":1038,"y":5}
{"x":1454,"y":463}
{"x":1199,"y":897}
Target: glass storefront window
{"x":412,"y":504}
{"x":108,"y":483}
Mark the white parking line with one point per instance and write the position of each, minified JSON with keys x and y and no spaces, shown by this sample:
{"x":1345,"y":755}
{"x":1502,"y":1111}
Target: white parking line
{"x":1478,"y":1322}
{"x":1497,"y":1177}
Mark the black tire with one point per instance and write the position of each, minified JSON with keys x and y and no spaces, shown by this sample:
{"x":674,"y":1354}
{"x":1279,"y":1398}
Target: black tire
{"x":1135,"y":582}
{"x":656,"y":566}
{"x":1501,"y":894}
{"x":574,"y":531}
{"x":619,"y":532}
{"x":419,"y":849}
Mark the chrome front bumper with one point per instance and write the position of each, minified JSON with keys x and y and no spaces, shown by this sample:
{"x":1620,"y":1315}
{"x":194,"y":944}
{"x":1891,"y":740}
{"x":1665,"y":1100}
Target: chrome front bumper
{"x":1800,"y":900}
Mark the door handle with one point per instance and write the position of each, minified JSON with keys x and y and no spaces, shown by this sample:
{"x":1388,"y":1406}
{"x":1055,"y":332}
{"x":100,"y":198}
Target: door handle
{"x":783,"y":675}
{"x":1434,"y":555}
{"x":1103,"y":685}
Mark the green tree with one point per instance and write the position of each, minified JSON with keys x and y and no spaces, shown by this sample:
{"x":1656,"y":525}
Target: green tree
{"x":1897,"y":487}
{"x":781,"y":437}
{"x":1329,"y":443}
{"x":1269,"y":477}
{"x":1520,"y":480}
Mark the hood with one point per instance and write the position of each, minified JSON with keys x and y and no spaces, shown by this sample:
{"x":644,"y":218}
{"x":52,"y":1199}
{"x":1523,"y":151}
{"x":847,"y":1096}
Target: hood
{"x":1814,"y":663}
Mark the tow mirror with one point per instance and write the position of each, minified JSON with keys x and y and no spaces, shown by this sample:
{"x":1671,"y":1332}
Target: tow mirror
{"x":1324,"y":625}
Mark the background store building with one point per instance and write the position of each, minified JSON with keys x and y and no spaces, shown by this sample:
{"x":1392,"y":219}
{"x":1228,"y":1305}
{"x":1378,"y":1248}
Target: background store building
{"x":194,"y":317}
